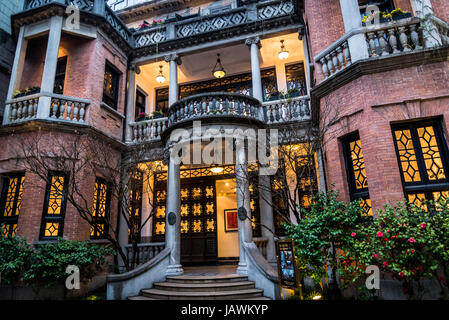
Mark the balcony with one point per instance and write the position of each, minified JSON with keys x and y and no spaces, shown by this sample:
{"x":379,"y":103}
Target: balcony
{"x":173,"y":29}
{"x":217,"y":106}
{"x":47,"y":106}
{"x":383,"y":40}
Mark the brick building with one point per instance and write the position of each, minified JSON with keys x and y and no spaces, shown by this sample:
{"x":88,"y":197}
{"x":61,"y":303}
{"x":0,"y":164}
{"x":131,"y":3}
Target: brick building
{"x":121,"y":78}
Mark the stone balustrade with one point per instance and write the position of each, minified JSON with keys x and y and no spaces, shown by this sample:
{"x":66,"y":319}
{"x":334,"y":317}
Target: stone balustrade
{"x":68,"y":108}
{"x":261,"y":244}
{"x":23,"y":108}
{"x":391,"y":38}
{"x":282,"y":111}
{"x":145,"y":251}
{"x":148,"y":130}
{"x":61,"y":108}
{"x":215,"y":105}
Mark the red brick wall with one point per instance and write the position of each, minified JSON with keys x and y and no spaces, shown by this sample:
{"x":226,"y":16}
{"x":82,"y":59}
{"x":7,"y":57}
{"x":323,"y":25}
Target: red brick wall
{"x":84,"y":79}
{"x":441,"y":9}
{"x":34,"y":63}
{"x":403,"y":4}
{"x":370,"y":104}
{"x":325,"y":23}
{"x":30,"y":217}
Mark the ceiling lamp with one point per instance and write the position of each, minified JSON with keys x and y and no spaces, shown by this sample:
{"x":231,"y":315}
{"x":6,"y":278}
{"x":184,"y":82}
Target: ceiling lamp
{"x":283,"y":54}
{"x":216,"y":169}
{"x":160,"y":77}
{"x":218,"y":71}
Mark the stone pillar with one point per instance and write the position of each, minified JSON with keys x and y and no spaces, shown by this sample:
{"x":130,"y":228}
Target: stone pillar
{"x":245,"y":232}
{"x":100,"y":7}
{"x":302,"y":36}
{"x":123,"y":237}
{"x":423,"y":9}
{"x":351,"y":17}
{"x":173,"y":218}
{"x":51,"y":60}
{"x":254,"y":46}
{"x":17,"y":70}
{"x":131,"y":102}
{"x":266,"y":216}
{"x":174,"y":61}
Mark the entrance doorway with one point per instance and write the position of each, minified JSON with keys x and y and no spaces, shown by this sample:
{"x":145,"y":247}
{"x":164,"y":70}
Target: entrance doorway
{"x":205,"y":198}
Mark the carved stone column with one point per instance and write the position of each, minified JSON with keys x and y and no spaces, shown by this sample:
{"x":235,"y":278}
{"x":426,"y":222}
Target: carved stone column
{"x":243,"y":204}
{"x":173,"y":215}
{"x":266,"y":216}
{"x":51,"y":60}
{"x":351,"y":18}
{"x":17,"y":70}
{"x":131,"y":102}
{"x":174,"y":60}
{"x":254,"y":46}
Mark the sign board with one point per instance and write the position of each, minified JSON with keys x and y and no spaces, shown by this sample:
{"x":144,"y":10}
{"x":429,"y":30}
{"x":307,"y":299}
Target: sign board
{"x":285,"y":251}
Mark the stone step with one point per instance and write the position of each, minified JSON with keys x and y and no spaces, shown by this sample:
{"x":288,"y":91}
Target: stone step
{"x":200,"y":295}
{"x":204,"y":287}
{"x":206,"y":279}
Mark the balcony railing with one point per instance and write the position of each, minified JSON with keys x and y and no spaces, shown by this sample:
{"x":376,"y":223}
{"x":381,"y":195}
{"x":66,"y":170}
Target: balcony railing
{"x":145,"y":251}
{"x":215,"y":105}
{"x":261,"y":244}
{"x":393,"y":38}
{"x":54,"y":107}
{"x":289,"y":110}
{"x":148,"y":130}
{"x":177,"y":29}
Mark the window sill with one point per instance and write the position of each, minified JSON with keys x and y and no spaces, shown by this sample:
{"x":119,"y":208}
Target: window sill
{"x":111,"y":110}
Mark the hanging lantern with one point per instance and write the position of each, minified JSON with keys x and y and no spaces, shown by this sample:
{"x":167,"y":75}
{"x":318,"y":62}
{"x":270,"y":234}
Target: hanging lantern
{"x":160,"y":77}
{"x":218,"y":70}
{"x":283,"y":54}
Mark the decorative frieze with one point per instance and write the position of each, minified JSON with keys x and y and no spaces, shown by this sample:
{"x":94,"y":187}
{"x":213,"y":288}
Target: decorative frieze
{"x":150,"y":37}
{"x":211,"y":23}
{"x":276,"y":9}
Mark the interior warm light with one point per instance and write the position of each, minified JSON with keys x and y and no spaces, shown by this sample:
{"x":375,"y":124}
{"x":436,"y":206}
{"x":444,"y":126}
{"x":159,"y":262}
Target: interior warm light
{"x":283,"y":54}
{"x":216,"y":169}
{"x":316,"y":298}
{"x":218,"y":71}
{"x":160,"y":77}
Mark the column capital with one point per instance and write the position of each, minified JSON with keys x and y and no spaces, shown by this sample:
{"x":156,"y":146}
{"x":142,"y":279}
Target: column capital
{"x":173,"y":57}
{"x":134,"y":67}
{"x":253,"y":40}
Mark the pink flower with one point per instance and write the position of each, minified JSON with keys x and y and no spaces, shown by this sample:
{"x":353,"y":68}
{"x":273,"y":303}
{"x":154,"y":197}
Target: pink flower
{"x":380,"y":234}
{"x":401,"y":274}
{"x":423,"y":225}
{"x":385,"y":264}
{"x":419,"y":267}
{"x":411,"y":240}
{"x":412,"y":250}
{"x":375,"y":255}
{"x":353,"y":234}
{"x":414,"y":271}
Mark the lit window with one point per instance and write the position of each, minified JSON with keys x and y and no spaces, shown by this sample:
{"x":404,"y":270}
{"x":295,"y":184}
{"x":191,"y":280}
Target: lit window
{"x":111,"y":86}
{"x":356,"y":173}
{"x":422,"y":157}
{"x":54,"y":206}
{"x":135,"y":204}
{"x":100,"y":209}
{"x":10,"y":202}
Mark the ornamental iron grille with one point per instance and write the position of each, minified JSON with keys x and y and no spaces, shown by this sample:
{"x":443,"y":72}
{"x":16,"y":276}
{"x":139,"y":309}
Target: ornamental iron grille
{"x":100,"y":209}
{"x":54,"y":206}
{"x":10,"y":202}
{"x":423,"y":161}
{"x":135,"y":205}
{"x":356,"y":173}
{"x":296,"y":79}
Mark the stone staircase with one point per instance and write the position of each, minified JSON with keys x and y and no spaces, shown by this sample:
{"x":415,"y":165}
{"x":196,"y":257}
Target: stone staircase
{"x":192,"y":287}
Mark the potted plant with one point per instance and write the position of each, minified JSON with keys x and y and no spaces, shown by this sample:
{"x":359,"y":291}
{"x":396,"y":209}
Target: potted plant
{"x":26,"y":92}
{"x":157,"y":114}
{"x":398,"y":14}
{"x":144,"y":25}
{"x":383,"y":17}
{"x":142,"y":117}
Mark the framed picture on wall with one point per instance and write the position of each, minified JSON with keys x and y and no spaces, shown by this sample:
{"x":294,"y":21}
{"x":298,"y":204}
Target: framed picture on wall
{"x":231,"y":223}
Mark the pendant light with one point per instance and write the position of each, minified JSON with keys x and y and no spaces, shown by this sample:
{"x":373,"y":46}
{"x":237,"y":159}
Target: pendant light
{"x":218,"y":71}
{"x":283,"y":54}
{"x":160,"y":77}
{"x":216,"y":169}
